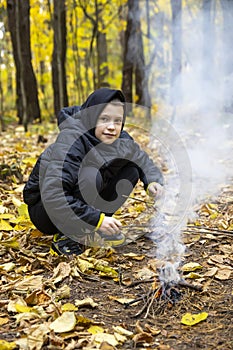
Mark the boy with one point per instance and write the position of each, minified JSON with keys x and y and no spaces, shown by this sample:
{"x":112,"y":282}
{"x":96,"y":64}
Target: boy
{"x":84,"y":177}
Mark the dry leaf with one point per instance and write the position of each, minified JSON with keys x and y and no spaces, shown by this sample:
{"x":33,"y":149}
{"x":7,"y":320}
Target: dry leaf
{"x":142,"y":338}
{"x":216,"y":259}
{"x":191,"y":266}
{"x":211,"y":272}
{"x":5,"y":345}
{"x":85,"y":302}
{"x":29,"y":283}
{"x":69,"y":307}
{"x":95,"y":329}
{"x":122,"y":331}
{"x":3,"y":320}
{"x":65,"y":323}
{"x":121,"y":300}
{"x":223,"y":274}
{"x":105,"y":337}
{"x":61,"y":271}
{"x":192,"y":319}
{"x":134,"y":256}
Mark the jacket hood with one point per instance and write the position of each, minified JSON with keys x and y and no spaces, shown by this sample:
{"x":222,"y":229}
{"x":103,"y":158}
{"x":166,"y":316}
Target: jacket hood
{"x":95,"y":103}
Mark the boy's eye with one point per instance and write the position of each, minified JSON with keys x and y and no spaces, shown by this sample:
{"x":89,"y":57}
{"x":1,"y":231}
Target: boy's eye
{"x":103,"y":119}
{"x":118,"y":121}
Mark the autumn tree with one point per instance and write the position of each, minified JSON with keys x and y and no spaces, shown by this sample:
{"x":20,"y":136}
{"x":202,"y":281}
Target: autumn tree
{"x":176,"y":64}
{"x":26,"y":86}
{"x":227,"y":53}
{"x":99,"y":34}
{"x":59,"y":56}
{"x":133,"y":60}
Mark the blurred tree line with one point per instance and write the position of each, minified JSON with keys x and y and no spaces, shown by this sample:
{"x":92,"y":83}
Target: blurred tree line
{"x":54,"y":53}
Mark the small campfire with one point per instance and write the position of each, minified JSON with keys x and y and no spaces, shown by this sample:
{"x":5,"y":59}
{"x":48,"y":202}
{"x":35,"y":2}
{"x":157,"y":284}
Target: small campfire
{"x":167,"y":294}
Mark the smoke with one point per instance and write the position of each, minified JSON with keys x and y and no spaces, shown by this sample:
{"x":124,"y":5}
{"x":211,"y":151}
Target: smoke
{"x":201,"y":123}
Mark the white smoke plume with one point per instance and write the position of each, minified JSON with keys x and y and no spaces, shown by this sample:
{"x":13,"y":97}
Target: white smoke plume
{"x":203,"y":123}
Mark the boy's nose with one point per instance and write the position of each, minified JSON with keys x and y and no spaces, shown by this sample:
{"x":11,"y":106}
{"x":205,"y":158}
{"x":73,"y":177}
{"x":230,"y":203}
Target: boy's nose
{"x":111,"y":125}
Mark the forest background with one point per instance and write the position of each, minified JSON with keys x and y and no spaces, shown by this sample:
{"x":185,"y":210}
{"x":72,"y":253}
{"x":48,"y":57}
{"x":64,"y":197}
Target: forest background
{"x":54,"y":53}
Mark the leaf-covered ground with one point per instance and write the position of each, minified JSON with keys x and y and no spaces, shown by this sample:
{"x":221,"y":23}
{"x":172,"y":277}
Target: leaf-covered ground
{"x":84,"y":302}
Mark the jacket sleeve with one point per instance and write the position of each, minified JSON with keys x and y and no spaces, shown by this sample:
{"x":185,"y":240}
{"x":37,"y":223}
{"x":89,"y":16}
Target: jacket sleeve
{"x":149,"y":171}
{"x":31,"y":191}
{"x":58,"y":185}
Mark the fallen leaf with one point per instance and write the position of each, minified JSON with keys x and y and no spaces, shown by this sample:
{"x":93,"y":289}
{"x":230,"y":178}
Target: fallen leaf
{"x":95,"y":329}
{"x":29,"y":283}
{"x":60,"y":272}
{"x":121,"y":300}
{"x":143,"y":337}
{"x":223,"y":274}
{"x":36,"y":336}
{"x":64,"y":323}
{"x":191,"y":266}
{"x":192,"y":319}
{"x":211,"y":272}
{"x":122,"y":331}
{"x":216,"y":259}
{"x":105,"y":337}
{"x":134,"y":256}
{"x":193,"y":275}
{"x":5,"y":226}
{"x":85,"y":302}
{"x":5,"y":345}
{"x":7,"y":266}
{"x":3,"y":320}
{"x":69,"y":307}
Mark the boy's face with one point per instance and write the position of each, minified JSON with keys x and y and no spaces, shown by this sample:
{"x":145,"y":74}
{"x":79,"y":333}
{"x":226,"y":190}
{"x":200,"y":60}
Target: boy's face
{"x":109,"y":123}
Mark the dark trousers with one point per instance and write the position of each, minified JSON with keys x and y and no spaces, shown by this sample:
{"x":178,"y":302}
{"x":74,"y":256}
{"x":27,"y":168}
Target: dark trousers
{"x":100,"y":189}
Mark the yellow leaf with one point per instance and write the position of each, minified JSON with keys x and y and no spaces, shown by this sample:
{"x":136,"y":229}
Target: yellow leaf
{"x":5,"y":345}
{"x":69,"y":307}
{"x":5,"y":226}
{"x":193,"y":275}
{"x":3,"y":320}
{"x":30,"y":161}
{"x":84,"y":321}
{"x":6,"y":216}
{"x":84,"y":265}
{"x":106,"y":270}
{"x":65,"y":323}
{"x":13,"y":243}
{"x":192,"y":319}
{"x":95,"y":329}
{"x":22,"y":308}
{"x":192,"y":266}
{"x":23,"y":210}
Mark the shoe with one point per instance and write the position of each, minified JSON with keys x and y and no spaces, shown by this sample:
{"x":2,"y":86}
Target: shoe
{"x":62,"y":245}
{"x":113,"y":240}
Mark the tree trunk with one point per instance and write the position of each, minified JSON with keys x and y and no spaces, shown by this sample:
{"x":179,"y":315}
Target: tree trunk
{"x":176,"y":90}
{"x":208,"y":42}
{"x":227,"y":55}
{"x":101,"y":42}
{"x":26,"y":87}
{"x":59,"y":56}
{"x":134,"y":61}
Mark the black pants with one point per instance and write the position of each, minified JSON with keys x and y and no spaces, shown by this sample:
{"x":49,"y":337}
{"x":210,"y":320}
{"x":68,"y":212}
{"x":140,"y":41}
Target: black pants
{"x":100,"y":189}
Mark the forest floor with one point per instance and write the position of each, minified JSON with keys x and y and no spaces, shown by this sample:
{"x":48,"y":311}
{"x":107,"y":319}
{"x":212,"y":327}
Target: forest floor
{"x":83,"y":302}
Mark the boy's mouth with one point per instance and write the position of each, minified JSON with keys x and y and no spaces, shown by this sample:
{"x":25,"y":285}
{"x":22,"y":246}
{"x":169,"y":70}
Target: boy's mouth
{"x":109,"y":135}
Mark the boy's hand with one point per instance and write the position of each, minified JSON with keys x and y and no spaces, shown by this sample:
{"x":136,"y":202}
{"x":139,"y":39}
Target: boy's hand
{"x":155,"y":189}
{"x":110,"y":225}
